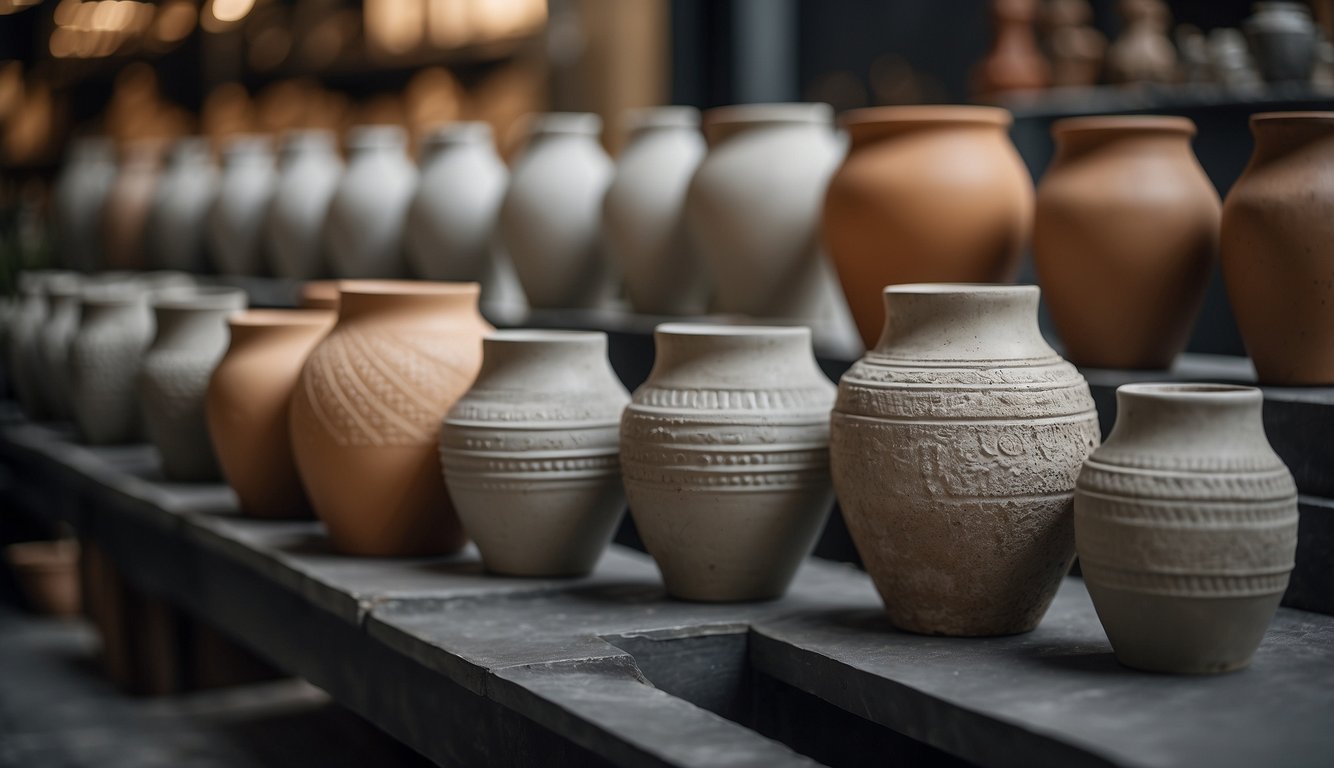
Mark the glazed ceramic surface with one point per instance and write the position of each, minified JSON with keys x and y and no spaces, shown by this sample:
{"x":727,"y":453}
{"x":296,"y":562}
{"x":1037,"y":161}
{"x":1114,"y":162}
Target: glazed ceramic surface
{"x":1278,"y":248}
{"x":52,"y":346}
{"x":181,"y":202}
{"x":725,"y":456}
{"x":124,"y":220}
{"x":549,"y":220}
{"x":1125,"y":236}
{"x":247,"y":406}
{"x":105,"y":355}
{"x":1186,"y":525}
{"x":954,"y":446}
{"x":927,"y":194}
{"x":80,"y":193}
{"x":308,"y":172}
{"x":237,"y":215}
{"x":643,"y":213}
{"x":366,"y":414}
{"x":191,"y":337}
{"x":363,"y":234}
{"x":530,"y":453}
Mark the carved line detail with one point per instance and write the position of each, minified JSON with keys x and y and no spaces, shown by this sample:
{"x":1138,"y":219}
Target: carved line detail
{"x":1186,"y":584}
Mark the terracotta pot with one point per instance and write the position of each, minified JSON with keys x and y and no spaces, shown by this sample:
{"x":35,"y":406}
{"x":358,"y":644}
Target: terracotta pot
{"x":115,"y":330}
{"x":549,"y":219}
{"x":48,"y":574}
{"x":237,"y":216}
{"x":1186,"y":525}
{"x":308,"y":173}
{"x":191,"y":337}
{"x":954,"y":447}
{"x":247,"y":406}
{"x":1014,"y":63}
{"x":530,"y":453}
{"x":1277,"y":241}
{"x":52,"y":345}
{"x":184,"y":195}
{"x":319,"y":294}
{"x":927,"y":194}
{"x":1125,"y":236}
{"x":725,"y":456}
{"x":80,"y":193}
{"x":128,"y":203}
{"x":643,"y":214}
{"x":366,"y":414}
{"x":363,"y":235}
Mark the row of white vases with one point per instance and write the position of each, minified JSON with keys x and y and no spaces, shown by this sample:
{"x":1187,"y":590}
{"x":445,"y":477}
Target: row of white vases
{"x":686,"y":228}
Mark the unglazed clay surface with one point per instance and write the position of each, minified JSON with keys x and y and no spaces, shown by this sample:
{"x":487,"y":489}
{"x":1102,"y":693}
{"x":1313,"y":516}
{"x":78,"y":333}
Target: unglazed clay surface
{"x":954,"y":447}
{"x":105,"y":356}
{"x":308,"y":173}
{"x":363,"y":232}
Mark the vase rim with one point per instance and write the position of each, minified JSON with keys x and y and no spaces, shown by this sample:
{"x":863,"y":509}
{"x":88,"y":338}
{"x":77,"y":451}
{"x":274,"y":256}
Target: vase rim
{"x":958,"y":289}
{"x":927,"y":113}
{"x":1196,"y":392}
{"x":1271,"y":118}
{"x":247,"y":144}
{"x":580,"y":123}
{"x":670,"y":116}
{"x":113,"y":295}
{"x":406,"y":288}
{"x":200,"y":297}
{"x":801,"y":112}
{"x":460,"y":132}
{"x":718,"y":330}
{"x":543,"y":336}
{"x":376,"y":135}
{"x":1124,"y":124}
{"x":281,"y":318}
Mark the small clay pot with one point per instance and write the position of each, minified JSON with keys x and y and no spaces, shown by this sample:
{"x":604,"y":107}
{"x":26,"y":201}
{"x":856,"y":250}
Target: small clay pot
{"x":48,"y":575}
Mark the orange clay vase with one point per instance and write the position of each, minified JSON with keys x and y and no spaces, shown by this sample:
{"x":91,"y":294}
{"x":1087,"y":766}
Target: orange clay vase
{"x":1278,"y":248}
{"x":368,"y":407}
{"x":1125,"y":235}
{"x":926,"y":195}
{"x":247,"y":406}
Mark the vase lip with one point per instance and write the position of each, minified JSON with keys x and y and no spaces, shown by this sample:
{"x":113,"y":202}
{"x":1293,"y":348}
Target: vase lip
{"x":280,"y":318}
{"x":1123,"y":124}
{"x":199,"y":297}
{"x":579,"y":123}
{"x":461,"y":132}
{"x":319,"y":294}
{"x":800,"y":112}
{"x":543,"y":336}
{"x":927,"y":113}
{"x":374,"y":136}
{"x":308,"y":138}
{"x":406,"y":288}
{"x":723,"y":331}
{"x":113,"y":295}
{"x":665,"y":117}
{"x":959,"y":289}
{"x":1191,"y":392}
{"x":1300,"y":117}
{"x":247,"y":145}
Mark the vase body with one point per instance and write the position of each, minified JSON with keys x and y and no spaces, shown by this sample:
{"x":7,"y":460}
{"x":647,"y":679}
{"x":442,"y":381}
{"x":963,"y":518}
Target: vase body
{"x":451,"y":231}
{"x":643,"y":213}
{"x":1014,"y":63}
{"x":1143,"y":53}
{"x":1124,"y":239}
{"x":247,"y":406}
{"x":530,"y":453}
{"x":1277,"y":248}
{"x":926,"y":195}
{"x":366,"y":414}
{"x":308,"y":173}
{"x":1284,"y":39}
{"x":1186,"y":524}
{"x":25,"y":340}
{"x":181,"y":203}
{"x":954,"y":448}
{"x":190,"y":338}
{"x":753,"y":213}
{"x":80,"y":194}
{"x":115,"y":329}
{"x":124,"y":220}
{"x":363,"y":236}
{"x":725,"y":456}
{"x":245,"y":189}
{"x":54,"y":336}
{"x":549,"y":219}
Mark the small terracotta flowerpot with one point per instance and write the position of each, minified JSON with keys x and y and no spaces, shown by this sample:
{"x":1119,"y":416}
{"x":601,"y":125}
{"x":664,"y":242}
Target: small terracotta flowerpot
{"x":48,"y":574}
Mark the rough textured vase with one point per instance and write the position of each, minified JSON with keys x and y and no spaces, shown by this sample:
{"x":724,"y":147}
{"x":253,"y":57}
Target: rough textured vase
{"x":181,"y":203}
{"x":363,"y":235}
{"x":531,"y":453}
{"x":247,"y":407}
{"x":1125,"y":236}
{"x":80,"y":193}
{"x":725,"y":455}
{"x":115,"y":330}
{"x":366,"y":414}
{"x":53,"y":340}
{"x":1186,"y":525}
{"x":1277,"y":248}
{"x":191,"y":337}
{"x":549,"y":220}
{"x":124,"y":220}
{"x":926,"y":195}
{"x":25,"y":337}
{"x":308,"y":173}
{"x":643,"y":213}
{"x":753,"y":213}
{"x":954,"y":448}
{"x":237,"y":216}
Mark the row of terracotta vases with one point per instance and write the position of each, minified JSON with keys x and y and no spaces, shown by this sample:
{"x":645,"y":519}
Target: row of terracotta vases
{"x":957,"y":448}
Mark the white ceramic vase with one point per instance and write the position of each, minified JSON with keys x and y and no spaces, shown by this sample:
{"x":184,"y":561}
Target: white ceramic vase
{"x":753,"y":213}
{"x":308,"y":171}
{"x":643,"y":214}
{"x":181,"y":203}
{"x":105,"y":355}
{"x":190,"y":338}
{"x":530,"y":453}
{"x":25,"y":337}
{"x":549,"y":221}
{"x":363,"y":235}
{"x":80,"y":193}
{"x":52,"y":345}
{"x":1186,"y":527}
{"x":237,"y":216}
{"x":725,"y":456}
{"x":954,"y":448}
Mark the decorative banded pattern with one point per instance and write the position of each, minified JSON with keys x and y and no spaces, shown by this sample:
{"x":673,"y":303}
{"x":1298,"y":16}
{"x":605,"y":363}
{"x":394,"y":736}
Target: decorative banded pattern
{"x":875,"y":370}
{"x":491,"y":408}
{"x":1110,"y":480}
{"x":668,"y":456}
{"x":1255,"y":462}
{"x":947,"y":403}
{"x":751,"y":480}
{"x":473,"y":465}
{"x":1251,"y":584}
{"x":735,"y":399}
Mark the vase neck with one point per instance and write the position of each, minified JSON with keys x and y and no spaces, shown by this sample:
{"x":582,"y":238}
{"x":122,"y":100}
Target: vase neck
{"x":733,"y":357}
{"x":408,"y":301}
{"x":723,"y":123}
{"x":190,"y":329}
{"x":1204,"y":421}
{"x":866,"y":126}
{"x":943,"y":322}
{"x":1282,"y":133}
{"x":544,"y":360}
{"x":1077,"y":137}
{"x":260,"y":325}
{"x":118,"y":310}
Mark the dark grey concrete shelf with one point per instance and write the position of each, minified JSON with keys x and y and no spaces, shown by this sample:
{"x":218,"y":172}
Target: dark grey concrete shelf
{"x":473,"y":669}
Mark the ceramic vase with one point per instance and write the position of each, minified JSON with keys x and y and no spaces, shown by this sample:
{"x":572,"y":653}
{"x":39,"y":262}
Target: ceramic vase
{"x":181,"y":203}
{"x":530,"y":453}
{"x":643,"y":213}
{"x":363,"y":235}
{"x":1143,"y":53}
{"x":725,"y":456}
{"x":1284,"y":39}
{"x":367,"y":410}
{"x":1186,"y":525}
{"x":105,"y":356}
{"x":52,"y":345}
{"x":927,"y":194}
{"x":190,"y":339}
{"x":124,"y":220}
{"x":24,"y":340}
{"x":1124,"y":239}
{"x":549,"y":219}
{"x":319,"y":294}
{"x":308,"y":173}
{"x":954,"y":447}
{"x":237,"y":216}
{"x":247,"y":407}
{"x":80,"y":193}
{"x":1277,"y":245}
{"x":1014,"y":63}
